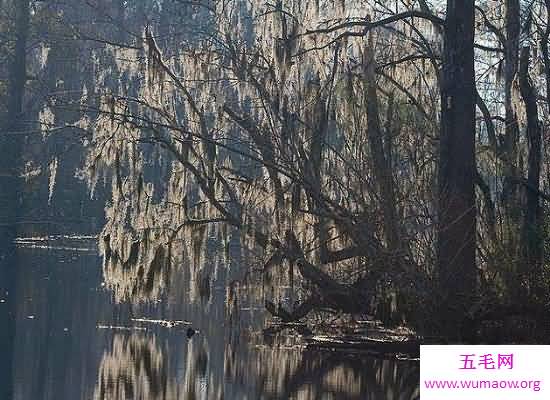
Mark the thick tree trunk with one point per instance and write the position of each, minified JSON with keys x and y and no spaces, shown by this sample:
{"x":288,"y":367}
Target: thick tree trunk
{"x":457,"y":210}
{"x":10,"y":147}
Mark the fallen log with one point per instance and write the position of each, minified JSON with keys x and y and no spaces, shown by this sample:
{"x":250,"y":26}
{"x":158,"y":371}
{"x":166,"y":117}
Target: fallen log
{"x":327,"y":292}
{"x":291,"y":316}
{"x":383,"y":347}
{"x":331,"y":293}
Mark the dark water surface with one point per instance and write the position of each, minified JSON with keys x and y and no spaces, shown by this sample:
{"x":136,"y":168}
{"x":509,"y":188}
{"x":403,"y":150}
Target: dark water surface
{"x":73,"y":342}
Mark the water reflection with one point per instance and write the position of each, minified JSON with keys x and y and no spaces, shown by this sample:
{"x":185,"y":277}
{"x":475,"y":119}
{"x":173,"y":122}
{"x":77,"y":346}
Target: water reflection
{"x":137,"y":366}
{"x":62,"y":355}
{"x":286,"y":372}
{"x":134,"y":368}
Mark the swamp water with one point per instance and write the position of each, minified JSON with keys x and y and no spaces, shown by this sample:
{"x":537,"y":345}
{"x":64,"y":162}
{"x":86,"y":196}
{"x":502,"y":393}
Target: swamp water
{"x":74,"y":341}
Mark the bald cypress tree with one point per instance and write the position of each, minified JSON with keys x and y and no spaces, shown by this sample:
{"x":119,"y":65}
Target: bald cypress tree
{"x":457,"y":210}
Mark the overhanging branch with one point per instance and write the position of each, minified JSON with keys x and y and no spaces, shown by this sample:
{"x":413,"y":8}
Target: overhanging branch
{"x":368,"y":25}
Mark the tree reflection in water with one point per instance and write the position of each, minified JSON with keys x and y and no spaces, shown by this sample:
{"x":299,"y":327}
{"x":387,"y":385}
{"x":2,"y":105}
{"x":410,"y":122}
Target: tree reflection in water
{"x":228,"y":359}
{"x":139,"y":366}
{"x":284,"y":372}
{"x":134,"y":368}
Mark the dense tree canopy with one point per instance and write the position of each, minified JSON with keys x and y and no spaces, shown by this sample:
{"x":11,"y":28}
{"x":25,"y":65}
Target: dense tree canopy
{"x":369,"y":155}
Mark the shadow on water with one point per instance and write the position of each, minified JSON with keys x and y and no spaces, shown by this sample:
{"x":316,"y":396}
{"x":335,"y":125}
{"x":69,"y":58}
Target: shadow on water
{"x":76,"y":341}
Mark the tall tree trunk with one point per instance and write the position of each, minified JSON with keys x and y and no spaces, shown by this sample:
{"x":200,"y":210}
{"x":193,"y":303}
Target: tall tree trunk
{"x":380,"y":160}
{"x":531,"y":235}
{"x":10,"y":146}
{"x":511,"y":191}
{"x":545,"y":37}
{"x":457,"y":210}
{"x":511,"y":60}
